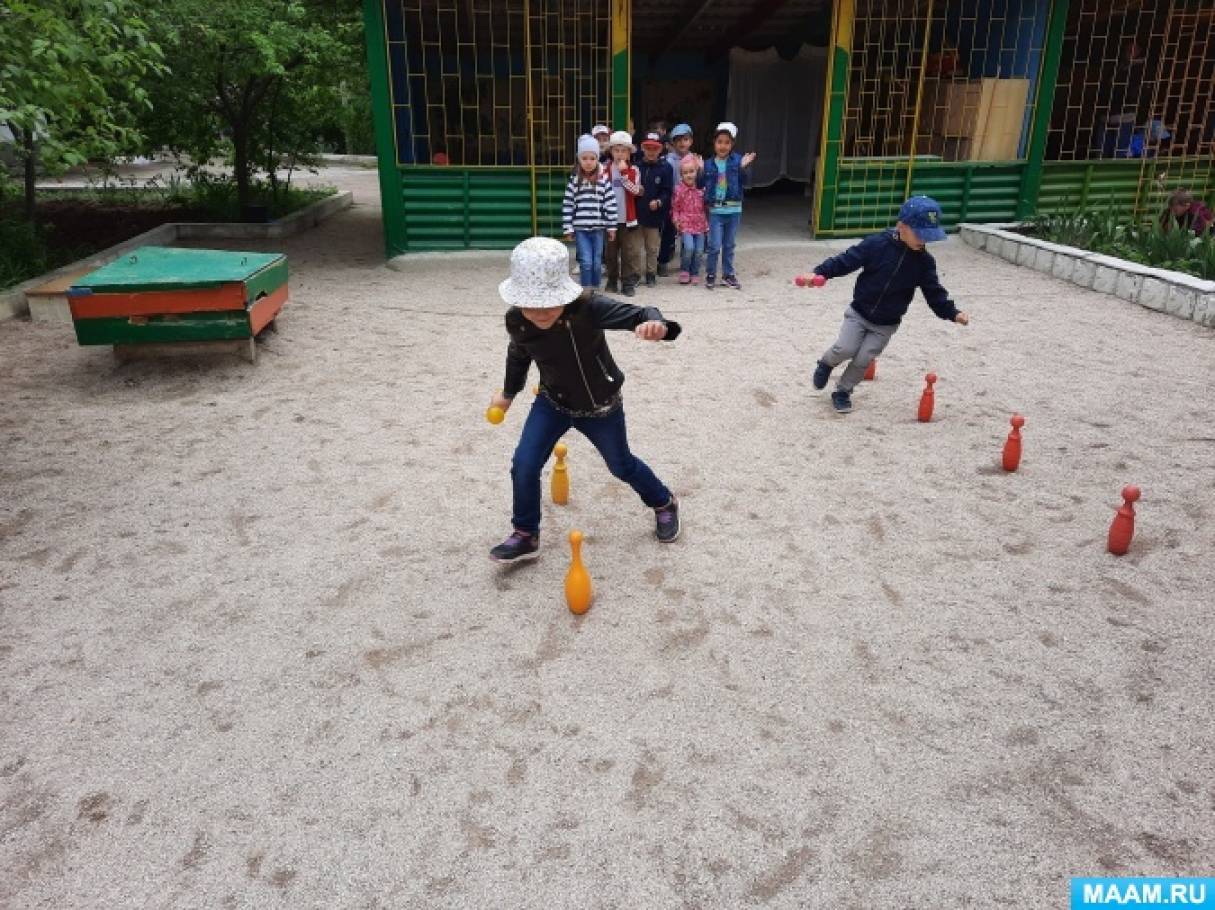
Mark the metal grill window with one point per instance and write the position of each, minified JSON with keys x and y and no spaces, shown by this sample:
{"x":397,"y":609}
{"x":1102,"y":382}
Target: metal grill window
{"x":1135,"y":81}
{"x":946,"y":80}
{"x":511,"y":82}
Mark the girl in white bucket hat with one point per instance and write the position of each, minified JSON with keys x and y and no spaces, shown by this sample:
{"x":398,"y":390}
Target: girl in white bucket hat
{"x":560,"y":326}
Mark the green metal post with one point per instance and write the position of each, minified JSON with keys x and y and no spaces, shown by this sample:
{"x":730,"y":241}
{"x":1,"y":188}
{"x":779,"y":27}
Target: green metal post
{"x":391,"y":197}
{"x":1031,"y":180}
{"x":827,"y":187}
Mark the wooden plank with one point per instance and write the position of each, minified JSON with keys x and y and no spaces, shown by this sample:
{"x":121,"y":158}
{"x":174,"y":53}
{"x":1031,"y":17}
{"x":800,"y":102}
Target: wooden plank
{"x":264,"y":311}
{"x":147,"y":329}
{"x":157,"y":303}
{"x":266,"y":281}
{"x":172,"y":268}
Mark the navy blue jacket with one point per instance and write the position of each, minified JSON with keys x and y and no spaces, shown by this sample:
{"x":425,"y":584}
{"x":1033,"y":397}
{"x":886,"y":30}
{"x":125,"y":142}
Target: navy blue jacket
{"x":891,"y":273}
{"x":736,"y":179}
{"x":658,"y":182}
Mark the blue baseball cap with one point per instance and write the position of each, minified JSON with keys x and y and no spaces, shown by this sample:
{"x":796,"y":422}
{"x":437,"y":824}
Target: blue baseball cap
{"x":923,"y":215}
{"x":681,"y":130}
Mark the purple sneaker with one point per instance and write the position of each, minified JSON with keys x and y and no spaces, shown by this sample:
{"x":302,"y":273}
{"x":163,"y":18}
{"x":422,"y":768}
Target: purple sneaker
{"x":667,"y":528}
{"x":519,"y":547}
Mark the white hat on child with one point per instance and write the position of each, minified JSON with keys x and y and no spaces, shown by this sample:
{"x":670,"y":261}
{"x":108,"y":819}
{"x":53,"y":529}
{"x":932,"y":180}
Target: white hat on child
{"x":588,"y":143}
{"x":727,"y":127}
{"x":539,"y":275}
{"x":620,"y":137}
{"x":599,"y":128}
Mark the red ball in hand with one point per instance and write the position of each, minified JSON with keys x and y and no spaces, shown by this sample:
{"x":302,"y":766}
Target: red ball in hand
{"x":800,"y":281}
{"x":818,"y":281}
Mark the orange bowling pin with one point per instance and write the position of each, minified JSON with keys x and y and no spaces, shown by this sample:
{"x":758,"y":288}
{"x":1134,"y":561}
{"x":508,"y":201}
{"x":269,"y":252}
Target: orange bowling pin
{"x":871,"y":371}
{"x":577,"y":580}
{"x":927,"y":399}
{"x":561,"y":476}
{"x":1123,"y":527}
{"x":1012,"y":445}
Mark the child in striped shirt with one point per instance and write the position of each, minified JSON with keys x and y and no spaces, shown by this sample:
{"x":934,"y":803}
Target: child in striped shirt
{"x":589,"y":209}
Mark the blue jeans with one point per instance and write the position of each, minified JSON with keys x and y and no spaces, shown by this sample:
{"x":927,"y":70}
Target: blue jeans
{"x":590,"y":257}
{"x":544,"y":426}
{"x":666,"y":249}
{"x":693,"y":252}
{"x":723,"y":229}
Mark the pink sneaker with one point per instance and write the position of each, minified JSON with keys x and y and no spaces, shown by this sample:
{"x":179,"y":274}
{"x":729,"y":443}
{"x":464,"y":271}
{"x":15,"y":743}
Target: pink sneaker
{"x":684,"y":278}
{"x":695,"y":279}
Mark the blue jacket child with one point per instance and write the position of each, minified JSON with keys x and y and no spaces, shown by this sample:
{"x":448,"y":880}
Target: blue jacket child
{"x":893,"y":264}
{"x":724,"y":179}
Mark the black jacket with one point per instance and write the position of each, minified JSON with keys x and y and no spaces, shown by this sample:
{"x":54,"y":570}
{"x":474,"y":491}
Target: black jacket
{"x":577,"y":371}
{"x":892,"y":272}
{"x":658,"y":181}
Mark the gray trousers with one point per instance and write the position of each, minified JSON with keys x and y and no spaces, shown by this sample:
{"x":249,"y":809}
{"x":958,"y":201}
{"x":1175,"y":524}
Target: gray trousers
{"x":860,"y":341}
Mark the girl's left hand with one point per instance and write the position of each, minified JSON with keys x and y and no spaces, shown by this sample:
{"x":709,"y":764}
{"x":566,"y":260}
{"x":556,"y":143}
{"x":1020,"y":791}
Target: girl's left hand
{"x":747,"y":159}
{"x":652,"y":330}
{"x":611,"y":235}
{"x":962,"y":319}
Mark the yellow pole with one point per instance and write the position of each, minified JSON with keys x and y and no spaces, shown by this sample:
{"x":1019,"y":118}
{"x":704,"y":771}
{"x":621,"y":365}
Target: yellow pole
{"x":919,"y":99}
{"x":531,"y":128}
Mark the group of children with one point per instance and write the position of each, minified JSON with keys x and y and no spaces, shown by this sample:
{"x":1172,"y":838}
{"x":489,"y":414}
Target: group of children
{"x":559,"y":326}
{"x":625,"y":208}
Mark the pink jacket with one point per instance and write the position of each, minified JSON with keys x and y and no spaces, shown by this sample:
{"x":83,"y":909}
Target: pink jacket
{"x":688,"y":210}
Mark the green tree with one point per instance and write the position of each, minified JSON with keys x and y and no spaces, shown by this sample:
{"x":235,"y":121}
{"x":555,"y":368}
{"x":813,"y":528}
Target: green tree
{"x":71,"y":81}
{"x":252,"y":80}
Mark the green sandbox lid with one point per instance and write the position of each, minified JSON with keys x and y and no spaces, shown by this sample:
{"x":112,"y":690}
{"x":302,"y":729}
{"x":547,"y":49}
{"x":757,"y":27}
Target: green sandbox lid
{"x":150,"y":268}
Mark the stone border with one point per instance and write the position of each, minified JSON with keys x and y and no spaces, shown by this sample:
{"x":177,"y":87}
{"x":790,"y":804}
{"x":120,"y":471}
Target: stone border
{"x":1175,"y":293}
{"x":13,"y":302}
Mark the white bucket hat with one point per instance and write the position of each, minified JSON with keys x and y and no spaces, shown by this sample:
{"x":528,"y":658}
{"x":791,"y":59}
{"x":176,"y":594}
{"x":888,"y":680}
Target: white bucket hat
{"x":539,"y":276}
{"x":599,"y":128}
{"x":620,"y":137}
{"x":727,"y":127}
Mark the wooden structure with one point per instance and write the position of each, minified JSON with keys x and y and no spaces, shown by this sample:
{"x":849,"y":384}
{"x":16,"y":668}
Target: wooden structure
{"x":1001,"y":109}
{"x":165,"y":295}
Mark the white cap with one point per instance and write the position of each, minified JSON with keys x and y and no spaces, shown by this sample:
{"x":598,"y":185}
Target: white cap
{"x":539,"y":275}
{"x":599,"y":128}
{"x":588,"y":144}
{"x":620,"y":137}
{"x":727,"y":127}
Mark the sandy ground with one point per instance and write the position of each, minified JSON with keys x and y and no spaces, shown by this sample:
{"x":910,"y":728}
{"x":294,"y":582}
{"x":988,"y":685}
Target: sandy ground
{"x":252,"y":652}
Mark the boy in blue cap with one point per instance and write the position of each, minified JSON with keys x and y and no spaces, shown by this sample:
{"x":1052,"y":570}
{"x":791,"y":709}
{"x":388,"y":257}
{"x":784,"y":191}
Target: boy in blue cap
{"x":894,"y":263}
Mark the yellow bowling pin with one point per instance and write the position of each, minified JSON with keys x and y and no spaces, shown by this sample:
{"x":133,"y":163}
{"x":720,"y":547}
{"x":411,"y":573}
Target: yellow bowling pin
{"x":578,"y":592}
{"x":561,"y":476}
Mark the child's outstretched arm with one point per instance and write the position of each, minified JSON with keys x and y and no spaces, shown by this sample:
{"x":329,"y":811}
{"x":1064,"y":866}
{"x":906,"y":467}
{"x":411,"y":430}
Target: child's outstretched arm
{"x":938,"y":299}
{"x":518,"y":362}
{"x":646,"y":321}
{"x":853,"y":258}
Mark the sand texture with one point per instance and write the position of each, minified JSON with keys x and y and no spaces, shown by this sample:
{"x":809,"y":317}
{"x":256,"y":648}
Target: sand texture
{"x":253,"y":653}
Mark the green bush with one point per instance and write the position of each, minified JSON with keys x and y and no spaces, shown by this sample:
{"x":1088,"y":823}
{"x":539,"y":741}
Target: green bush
{"x":1146,"y":243}
{"x":23,"y":252}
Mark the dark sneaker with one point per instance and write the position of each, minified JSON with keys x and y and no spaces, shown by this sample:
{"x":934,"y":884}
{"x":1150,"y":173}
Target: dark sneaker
{"x":663,"y":270}
{"x":822,"y":373}
{"x":650,"y":280}
{"x":630,"y":290}
{"x":731,"y":281}
{"x":667,"y":528}
{"x":841,"y":401}
{"x":710,"y":282}
{"x":519,"y":547}
{"x":611,"y":288}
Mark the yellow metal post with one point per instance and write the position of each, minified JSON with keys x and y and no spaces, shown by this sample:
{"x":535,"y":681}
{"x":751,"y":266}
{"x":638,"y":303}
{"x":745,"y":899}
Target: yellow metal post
{"x":919,"y":99}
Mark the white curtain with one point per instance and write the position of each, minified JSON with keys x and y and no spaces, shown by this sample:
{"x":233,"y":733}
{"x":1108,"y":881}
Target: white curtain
{"x":778,"y":107}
